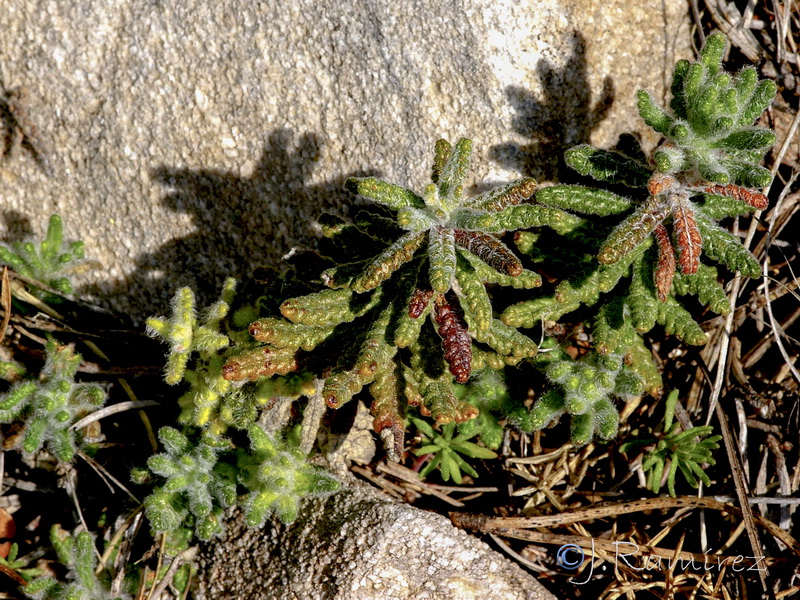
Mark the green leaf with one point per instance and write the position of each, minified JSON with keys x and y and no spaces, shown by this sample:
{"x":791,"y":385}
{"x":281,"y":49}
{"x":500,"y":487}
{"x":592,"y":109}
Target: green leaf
{"x":747,"y":139}
{"x":388,"y":261}
{"x":607,"y":166}
{"x":464,"y":466}
{"x":721,"y":246}
{"x":388,"y":194}
{"x":473,"y":450}
{"x":453,"y":173}
{"x":429,"y":449}
{"x":431,"y":466}
{"x":449,"y":467}
{"x":653,"y":114}
{"x":583,"y":199}
{"x":442,"y":256}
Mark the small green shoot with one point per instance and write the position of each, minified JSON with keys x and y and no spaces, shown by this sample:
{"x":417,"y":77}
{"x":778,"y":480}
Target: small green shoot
{"x":52,"y":404}
{"x":676,"y":449}
{"x":447,"y":449}
{"x":197,"y":488}
{"x":78,"y":554}
{"x":13,"y":562}
{"x":48,"y":262}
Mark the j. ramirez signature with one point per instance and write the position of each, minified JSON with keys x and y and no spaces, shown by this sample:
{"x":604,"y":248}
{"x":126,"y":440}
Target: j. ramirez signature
{"x":571,"y":556}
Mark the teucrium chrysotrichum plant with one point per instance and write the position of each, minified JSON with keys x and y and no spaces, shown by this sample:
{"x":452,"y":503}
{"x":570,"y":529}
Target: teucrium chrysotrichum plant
{"x":50,"y":405}
{"x":584,"y":390}
{"x":277,"y":476}
{"x":404,"y":309}
{"x":47,"y":262}
{"x":200,"y":467}
{"x":703,"y":171}
{"x":635,"y":269}
{"x":78,"y":554}
{"x":197,"y":487}
{"x":407,"y":298}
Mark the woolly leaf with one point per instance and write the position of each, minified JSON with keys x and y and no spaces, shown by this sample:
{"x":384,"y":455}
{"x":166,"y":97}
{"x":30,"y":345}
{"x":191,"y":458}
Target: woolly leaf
{"x":442,"y":256}
{"x":503,"y":196}
{"x":634,"y":229}
{"x":687,"y":235}
{"x":545,"y":409}
{"x":260,"y":362}
{"x":325,"y":308}
{"x":678,"y":321}
{"x":453,"y":172}
{"x":721,"y":246}
{"x":490,"y":250}
{"x":705,"y":286}
{"x":653,"y":114}
{"x":475,"y":299}
{"x":642,"y":298}
{"x":583,"y":199}
{"x":284,"y":334}
{"x":387,"y":262}
{"x":525,"y":280}
{"x":717,"y":204}
{"x":456,"y":343}
{"x":386,"y":408}
{"x":393,"y":196}
{"x":603,"y":165}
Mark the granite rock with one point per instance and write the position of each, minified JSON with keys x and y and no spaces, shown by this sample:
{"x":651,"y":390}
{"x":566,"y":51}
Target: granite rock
{"x":358,"y":545}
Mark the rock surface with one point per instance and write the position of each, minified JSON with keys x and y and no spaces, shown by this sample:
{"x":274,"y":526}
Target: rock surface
{"x":359,"y":545}
{"x":193,"y":140}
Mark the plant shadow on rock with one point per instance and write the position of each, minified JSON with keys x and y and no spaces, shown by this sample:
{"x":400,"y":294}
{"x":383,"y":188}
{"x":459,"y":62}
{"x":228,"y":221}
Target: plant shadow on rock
{"x":18,"y":226}
{"x":563,"y":118}
{"x":241,"y":222}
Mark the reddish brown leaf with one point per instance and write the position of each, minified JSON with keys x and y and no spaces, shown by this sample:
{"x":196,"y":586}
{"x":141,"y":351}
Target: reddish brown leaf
{"x":634,"y":229}
{"x":419,"y":300}
{"x":737,"y":192}
{"x":456,"y":342}
{"x":466,"y":412}
{"x":490,"y":250}
{"x":387,"y":411}
{"x":660,"y":183}
{"x":665,"y":270}
{"x":687,"y":235}
{"x":262,"y":362}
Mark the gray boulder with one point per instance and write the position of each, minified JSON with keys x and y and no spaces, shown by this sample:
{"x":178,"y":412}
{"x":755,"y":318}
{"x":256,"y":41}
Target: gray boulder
{"x":358,"y":545}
